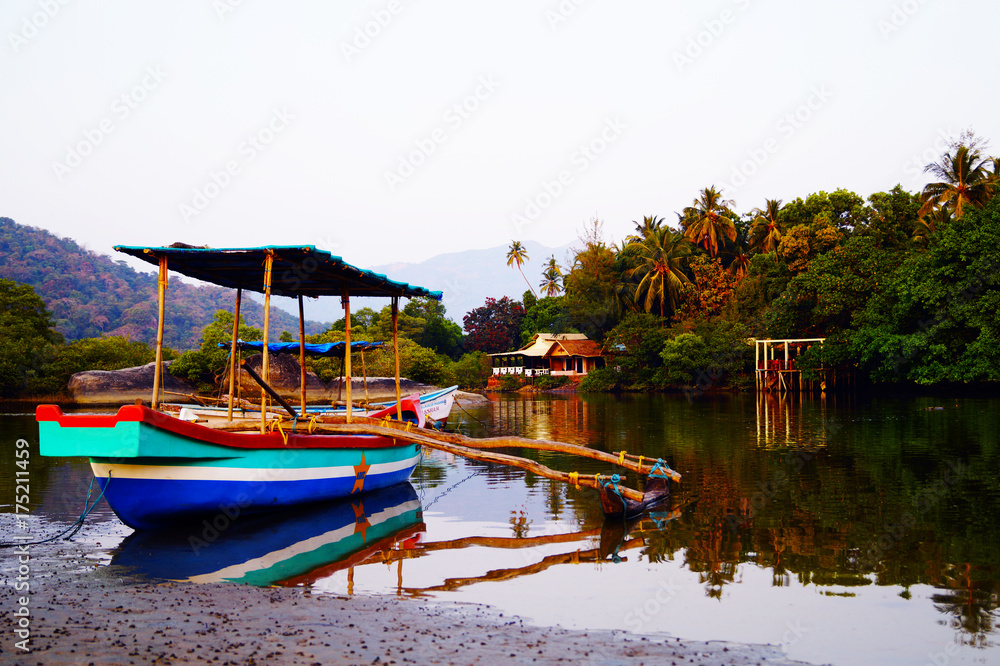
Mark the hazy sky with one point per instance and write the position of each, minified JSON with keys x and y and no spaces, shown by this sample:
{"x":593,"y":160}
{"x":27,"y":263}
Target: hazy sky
{"x":395,"y":131}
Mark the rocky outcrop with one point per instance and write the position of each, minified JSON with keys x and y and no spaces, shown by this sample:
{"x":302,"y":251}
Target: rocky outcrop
{"x":111,"y":387}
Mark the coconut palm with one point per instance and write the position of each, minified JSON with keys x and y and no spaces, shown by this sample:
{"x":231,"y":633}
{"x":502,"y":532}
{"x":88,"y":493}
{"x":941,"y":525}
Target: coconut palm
{"x":551,"y":283}
{"x":649,"y":224}
{"x":516,"y":254}
{"x":660,"y":264}
{"x":741,"y":259}
{"x":927,"y":226}
{"x":705,"y":222}
{"x":966,"y":180}
{"x":765,"y":232}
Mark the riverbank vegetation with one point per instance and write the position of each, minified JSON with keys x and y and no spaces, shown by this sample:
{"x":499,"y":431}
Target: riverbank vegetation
{"x":903,"y":286}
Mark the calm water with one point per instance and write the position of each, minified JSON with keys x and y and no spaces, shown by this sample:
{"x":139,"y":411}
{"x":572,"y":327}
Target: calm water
{"x":847,"y":531}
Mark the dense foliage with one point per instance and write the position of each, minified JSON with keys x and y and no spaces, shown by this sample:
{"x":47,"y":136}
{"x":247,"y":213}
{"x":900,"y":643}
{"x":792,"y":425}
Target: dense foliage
{"x":91,"y":295}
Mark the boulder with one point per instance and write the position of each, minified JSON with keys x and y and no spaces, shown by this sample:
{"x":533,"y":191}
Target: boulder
{"x":110,"y":387}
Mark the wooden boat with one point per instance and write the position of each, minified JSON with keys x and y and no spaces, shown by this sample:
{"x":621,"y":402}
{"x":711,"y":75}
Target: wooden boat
{"x":156,"y":469}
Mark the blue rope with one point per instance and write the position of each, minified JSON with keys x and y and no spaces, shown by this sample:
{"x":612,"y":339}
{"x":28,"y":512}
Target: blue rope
{"x":75,"y":527}
{"x":660,"y":470}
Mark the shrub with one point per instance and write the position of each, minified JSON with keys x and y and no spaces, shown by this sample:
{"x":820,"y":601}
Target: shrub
{"x":601,"y":380}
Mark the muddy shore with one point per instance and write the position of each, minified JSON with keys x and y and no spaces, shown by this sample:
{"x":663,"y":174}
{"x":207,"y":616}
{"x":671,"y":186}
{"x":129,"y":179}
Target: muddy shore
{"x":82,"y":613}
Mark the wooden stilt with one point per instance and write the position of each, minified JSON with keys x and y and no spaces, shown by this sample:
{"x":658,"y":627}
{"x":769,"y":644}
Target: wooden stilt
{"x":233,"y":351}
{"x":268,"y":263}
{"x":395,"y":351}
{"x":161,"y":297}
{"x":346,"y":301}
{"x":302,"y":357}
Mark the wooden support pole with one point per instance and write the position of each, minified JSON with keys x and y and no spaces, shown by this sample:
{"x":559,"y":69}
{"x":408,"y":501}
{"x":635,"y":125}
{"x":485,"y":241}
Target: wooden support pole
{"x":161,"y":298}
{"x":346,"y":301}
{"x":233,"y":352}
{"x":268,"y":264}
{"x":302,"y":356}
{"x":395,"y":351}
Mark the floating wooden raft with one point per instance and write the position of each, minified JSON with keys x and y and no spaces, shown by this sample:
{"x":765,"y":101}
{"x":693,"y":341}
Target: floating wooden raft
{"x":616,"y":499}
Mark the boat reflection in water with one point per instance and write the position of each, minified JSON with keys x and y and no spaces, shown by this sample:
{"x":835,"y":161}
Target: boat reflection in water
{"x":383,"y":526}
{"x":277,"y":548}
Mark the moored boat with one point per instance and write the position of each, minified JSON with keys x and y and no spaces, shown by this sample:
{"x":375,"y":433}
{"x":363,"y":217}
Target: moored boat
{"x":157,"y":469}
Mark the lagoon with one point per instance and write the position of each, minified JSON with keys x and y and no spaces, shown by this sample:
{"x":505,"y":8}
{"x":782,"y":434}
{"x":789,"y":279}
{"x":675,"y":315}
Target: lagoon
{"x":845,"y":530}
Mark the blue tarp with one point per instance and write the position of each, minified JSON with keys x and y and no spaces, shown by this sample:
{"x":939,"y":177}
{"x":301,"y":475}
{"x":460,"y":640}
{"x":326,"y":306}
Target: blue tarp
{"x":312,"y":349}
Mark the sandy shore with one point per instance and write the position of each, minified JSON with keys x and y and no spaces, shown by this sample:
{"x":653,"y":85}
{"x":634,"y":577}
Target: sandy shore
{"x":82,"y":614}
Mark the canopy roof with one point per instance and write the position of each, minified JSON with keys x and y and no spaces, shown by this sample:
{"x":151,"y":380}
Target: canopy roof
{"x":311,"y":349}
{"x":298,"y":270}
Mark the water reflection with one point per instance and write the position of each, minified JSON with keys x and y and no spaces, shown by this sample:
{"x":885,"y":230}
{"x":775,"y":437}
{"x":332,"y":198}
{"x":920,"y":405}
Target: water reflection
{"x":280,"y":549}
{"x":835,"y":511}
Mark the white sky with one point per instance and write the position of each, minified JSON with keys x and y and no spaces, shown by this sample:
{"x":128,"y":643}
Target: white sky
{"x":886,"y":79}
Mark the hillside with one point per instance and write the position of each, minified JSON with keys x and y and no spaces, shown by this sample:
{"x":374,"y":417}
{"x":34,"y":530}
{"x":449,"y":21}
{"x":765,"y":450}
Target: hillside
{"x":91,"y":294}
{"x":466,"y":278}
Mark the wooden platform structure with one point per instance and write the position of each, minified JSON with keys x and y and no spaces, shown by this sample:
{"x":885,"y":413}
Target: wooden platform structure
{"x":776,"y":368}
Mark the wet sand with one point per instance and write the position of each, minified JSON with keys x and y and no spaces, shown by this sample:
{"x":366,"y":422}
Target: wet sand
{"x":82,"y":614}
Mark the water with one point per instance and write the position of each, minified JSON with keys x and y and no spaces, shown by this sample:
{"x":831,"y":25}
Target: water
{"x":845,"y":530}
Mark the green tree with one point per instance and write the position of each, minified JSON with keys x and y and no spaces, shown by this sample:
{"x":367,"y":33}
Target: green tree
{"x":936,"y":318}
{"x":592,"y":285}
{"x":633,"y":348}
{"x":208,"y":365}
{"x":472,"y":371}
{"x":661,"y":261}
{"x":707,"y":223}
{"x":516,"y":254}
{"x":842,"y":209}
{"x":437,"y":332}
{"x":27,"y":339}
{"x":110,"y":353}
{"x":546,"y":315}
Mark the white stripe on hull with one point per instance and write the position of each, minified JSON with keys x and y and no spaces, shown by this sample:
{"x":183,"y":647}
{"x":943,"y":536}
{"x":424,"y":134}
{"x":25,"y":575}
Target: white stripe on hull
{"x":202,"y":473}
{"x":237,"y":571}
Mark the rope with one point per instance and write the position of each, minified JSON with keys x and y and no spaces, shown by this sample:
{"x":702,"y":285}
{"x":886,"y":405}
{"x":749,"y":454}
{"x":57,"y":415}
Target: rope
{"x":77,"y":524}
{"x":621,"y":458}
{"x":574,"y":478}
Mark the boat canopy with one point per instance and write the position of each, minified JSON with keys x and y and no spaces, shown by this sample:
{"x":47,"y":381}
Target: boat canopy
{"x":312,"y":349}
{"x":298,"y":270}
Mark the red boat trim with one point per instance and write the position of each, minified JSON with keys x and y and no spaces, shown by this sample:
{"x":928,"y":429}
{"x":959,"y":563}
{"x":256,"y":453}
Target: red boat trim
{"x":198,"y":432}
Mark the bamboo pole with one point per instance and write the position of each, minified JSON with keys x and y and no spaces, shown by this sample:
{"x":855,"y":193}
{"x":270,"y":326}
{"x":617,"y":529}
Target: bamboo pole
{"x":268,"y":264}
{"x":346,"y":301}
{"x":161,"y":298}
{"x":232,"y":351}
{"x":302,"y":356}
{"x":395,"y":351}
{"x":364,"y":373}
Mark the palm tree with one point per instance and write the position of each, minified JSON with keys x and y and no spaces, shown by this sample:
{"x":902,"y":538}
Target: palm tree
{"x":516,"y":254}
{"x":741,"y":259}
{"x":765,"y":233}
{"x":649,"y":224}
{"x":965,"y":181}
{"x":551,"y":283}
{"x":660,"y":268}
{"x":705,"y":221}
{"x":926,"y":226}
